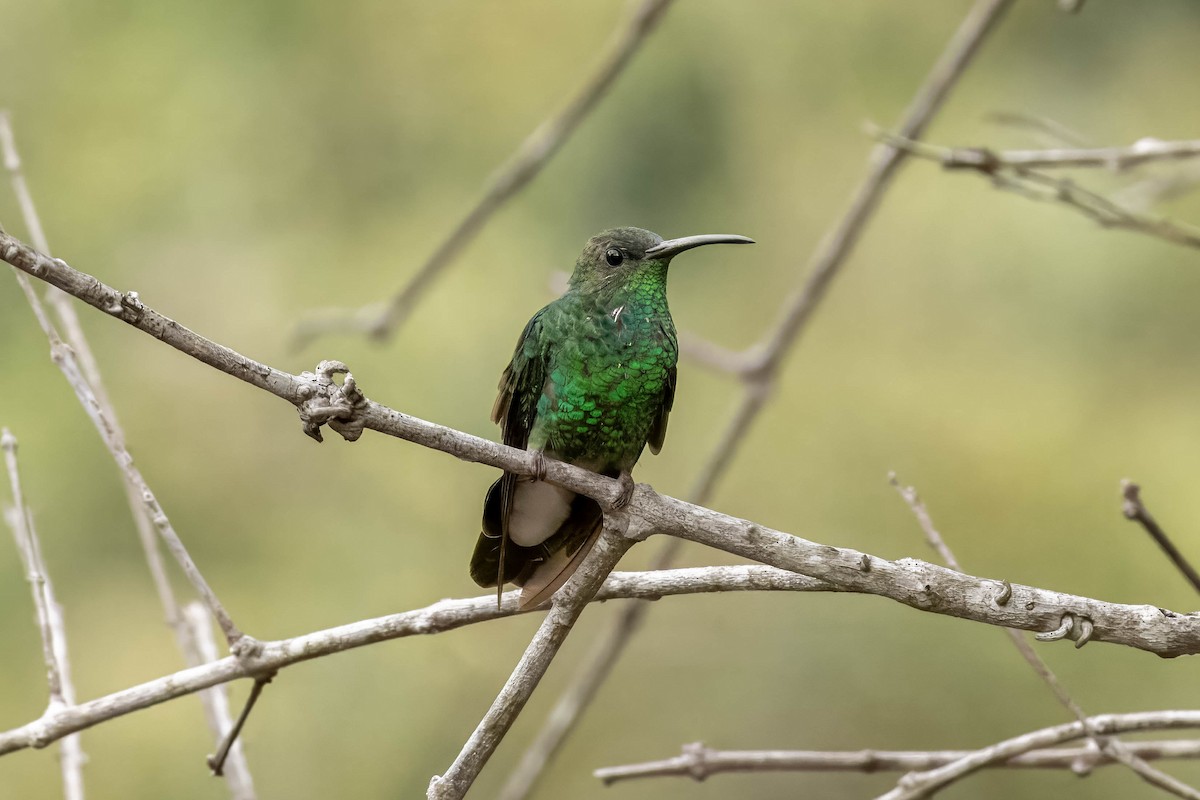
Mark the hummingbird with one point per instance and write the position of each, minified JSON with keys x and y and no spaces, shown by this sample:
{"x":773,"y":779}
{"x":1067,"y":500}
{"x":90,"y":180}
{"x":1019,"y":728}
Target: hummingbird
{"x":591,"y":383}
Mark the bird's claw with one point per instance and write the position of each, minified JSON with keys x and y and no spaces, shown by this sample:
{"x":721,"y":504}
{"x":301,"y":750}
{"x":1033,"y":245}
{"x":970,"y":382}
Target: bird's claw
{"x":627,"y":489}
{"x":539,"y":466}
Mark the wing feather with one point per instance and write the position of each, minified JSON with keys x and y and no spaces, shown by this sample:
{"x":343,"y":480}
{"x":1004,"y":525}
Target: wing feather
{"x":658,"y":430}
{"x":515,"y":410}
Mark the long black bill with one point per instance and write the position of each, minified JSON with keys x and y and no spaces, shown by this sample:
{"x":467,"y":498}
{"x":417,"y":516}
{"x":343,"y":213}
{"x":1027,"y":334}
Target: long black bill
{"x":673,"y":247}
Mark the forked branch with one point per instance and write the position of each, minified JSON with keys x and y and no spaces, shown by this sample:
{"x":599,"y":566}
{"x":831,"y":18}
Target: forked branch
{"x":1042,"y":186}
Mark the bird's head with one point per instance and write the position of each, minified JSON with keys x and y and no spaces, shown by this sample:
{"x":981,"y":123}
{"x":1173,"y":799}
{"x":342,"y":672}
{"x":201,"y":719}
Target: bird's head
{"x":625,"y":256}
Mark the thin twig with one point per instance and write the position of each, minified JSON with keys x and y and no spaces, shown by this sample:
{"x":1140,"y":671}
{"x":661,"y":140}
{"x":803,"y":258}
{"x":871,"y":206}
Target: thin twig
{"x":71,"y":756}
{"x":1133,"y":509}
{"x":921,"y":512}
{"x":64,"y":357}
{"x":606,"y":651}
{"x":885,"y":159}
{"x":236,"y":770}
{"x":923,"y":784}
{"x":1112,"y":747}
{"x":509,"y":179}
{"x":62,"y":304}
{"x":1119,"y":751}
{"x":23,"y":535}
{"x":760,"y":364}
{"x":699,"y":762}
{"x":985,"y":159}
{"x":566,"y":606}
{"x":1043,"y":187}
{"x":917,"y":506}
{"x":216,"y":762}
{"x":190,"y":636}
{"x":49,"y":614}
{"x":443,"y":616}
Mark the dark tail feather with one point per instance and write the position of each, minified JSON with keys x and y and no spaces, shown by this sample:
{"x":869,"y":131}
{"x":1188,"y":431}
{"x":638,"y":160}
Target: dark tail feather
{"x":542,"y":569}
{"x":493,"y":554}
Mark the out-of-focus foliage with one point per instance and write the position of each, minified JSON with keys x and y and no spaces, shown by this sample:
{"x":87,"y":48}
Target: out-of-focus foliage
{"x":240,"y":164}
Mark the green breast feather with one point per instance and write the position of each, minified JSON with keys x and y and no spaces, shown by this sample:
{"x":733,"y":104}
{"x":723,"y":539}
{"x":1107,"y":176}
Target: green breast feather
{"x":610,"y":382}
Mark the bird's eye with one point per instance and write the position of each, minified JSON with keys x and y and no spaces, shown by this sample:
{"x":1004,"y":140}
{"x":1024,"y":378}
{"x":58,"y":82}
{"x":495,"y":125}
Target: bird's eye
{"x":614,"y":257}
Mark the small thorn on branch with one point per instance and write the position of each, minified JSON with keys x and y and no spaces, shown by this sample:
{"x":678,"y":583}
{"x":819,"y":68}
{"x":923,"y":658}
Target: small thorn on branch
{"x":1061,"y":632}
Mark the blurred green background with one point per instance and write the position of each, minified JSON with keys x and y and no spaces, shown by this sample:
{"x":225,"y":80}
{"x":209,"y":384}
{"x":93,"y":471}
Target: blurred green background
{"x":241,"y":164}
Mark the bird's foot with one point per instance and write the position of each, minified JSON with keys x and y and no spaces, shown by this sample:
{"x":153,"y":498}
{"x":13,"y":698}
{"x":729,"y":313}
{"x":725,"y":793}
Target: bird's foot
{"x":627,"y":488}
{"x":539,"y":466}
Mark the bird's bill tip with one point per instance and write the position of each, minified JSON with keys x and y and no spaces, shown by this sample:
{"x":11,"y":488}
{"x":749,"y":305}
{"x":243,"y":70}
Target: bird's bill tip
{"x":672,"y":247}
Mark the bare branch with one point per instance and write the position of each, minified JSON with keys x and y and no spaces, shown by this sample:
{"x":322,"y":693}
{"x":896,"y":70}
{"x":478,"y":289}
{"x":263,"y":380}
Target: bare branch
{"x":885,"y":159}
{"x":917,"y":506}
{"x":110,"y":433}
{"x":27,"y":546}
{"x":910,"y":496}
{"x":695,"y":760}
{"x":51,"y":625}
{"x":57,"y":298}
{"x":596,"y":665}
{"x":585,"y":683}
{"x":1112,"y":747}
{"x":985,"y":159}
{"x":1135,"y":510}
{"x":443,"y":616}
{"x":1043,"y":187}
{"x":922,"y":784}
{"x":202,"y":650}
{"x":62,"y":304}
{"x":192,"y":635}
{"x":1119,"y":751}
{"x":216,"y":762}
{"x":1105,"y":212}
{"x":511,"y":177}
{"x":699,"y":762}
{"x":565,"y":607}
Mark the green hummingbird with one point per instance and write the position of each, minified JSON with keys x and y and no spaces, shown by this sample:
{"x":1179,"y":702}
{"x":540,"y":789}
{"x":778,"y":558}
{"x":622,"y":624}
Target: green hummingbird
{"x":591,"y":383}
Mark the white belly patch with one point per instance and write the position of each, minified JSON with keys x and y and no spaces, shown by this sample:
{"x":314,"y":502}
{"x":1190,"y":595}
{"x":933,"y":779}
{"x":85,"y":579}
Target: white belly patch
{"x":539,"y":508}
